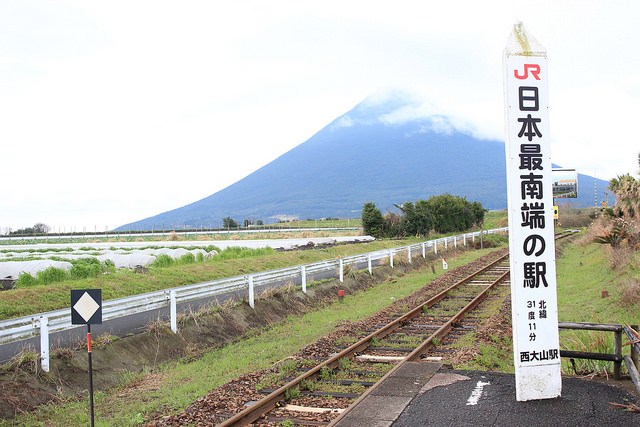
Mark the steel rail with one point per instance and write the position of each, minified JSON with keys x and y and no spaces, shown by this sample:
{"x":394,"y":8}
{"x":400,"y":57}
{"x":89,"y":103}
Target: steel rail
{"x":269,"y":402}
{"x":438,"y":334}
{"x":448,"y":326}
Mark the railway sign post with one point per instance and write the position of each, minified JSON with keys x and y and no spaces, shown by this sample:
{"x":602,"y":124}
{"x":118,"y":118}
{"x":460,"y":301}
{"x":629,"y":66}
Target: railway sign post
{"x":86,"y":309}
{"x":534,"y":309}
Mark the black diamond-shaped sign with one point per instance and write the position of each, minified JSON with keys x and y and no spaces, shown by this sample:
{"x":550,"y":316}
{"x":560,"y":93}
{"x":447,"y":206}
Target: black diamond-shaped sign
{"x":86,"y":306}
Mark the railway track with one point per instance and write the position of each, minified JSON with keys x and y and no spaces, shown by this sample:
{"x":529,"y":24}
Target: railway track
{"x":315,"y":387}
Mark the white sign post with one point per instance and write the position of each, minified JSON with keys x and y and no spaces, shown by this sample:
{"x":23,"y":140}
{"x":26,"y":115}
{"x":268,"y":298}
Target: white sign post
{"x":536,"y":345}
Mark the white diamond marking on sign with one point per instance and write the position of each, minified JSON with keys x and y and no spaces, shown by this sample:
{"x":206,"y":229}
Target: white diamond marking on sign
{"x":86,"y":306}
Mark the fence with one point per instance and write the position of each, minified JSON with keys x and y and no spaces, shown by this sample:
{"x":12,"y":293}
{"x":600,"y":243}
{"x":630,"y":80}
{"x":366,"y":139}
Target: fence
{"x":617,"y":358}
{"x":44,"y":324}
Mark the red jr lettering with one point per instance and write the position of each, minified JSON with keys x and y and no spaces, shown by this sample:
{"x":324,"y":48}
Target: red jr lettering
{"x":534,"y":68}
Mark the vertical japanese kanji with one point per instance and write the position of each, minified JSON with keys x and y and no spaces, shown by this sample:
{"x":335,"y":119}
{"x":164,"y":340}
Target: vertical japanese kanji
{"x":531,"y":233}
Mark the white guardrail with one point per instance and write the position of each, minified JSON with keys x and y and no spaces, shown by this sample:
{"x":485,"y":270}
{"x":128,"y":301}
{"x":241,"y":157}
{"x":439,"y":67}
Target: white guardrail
{"x":47,"y":323}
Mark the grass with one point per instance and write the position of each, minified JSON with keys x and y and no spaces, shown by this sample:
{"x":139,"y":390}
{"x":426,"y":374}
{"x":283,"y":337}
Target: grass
{"x":42,"y":296}
{"x":495,"y":219}
{"x":583,"y":273}
{"x":183,"y":381}
{"x":589,"y":290}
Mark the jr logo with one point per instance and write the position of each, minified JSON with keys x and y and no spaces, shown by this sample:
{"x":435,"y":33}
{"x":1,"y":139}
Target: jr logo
{"x":533,"y":68}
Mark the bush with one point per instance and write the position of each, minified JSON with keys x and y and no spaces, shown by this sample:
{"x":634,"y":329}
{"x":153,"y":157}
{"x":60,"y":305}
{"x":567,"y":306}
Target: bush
{"x":86,"y":267}
{"x":187,"y":259}
{"x":162,"y":260}
{"x":25,"y":280}
{"x":443,"y":214}
{"x":51,"y":275}
{"x":630,"y":292}
{"x":372,"y":220}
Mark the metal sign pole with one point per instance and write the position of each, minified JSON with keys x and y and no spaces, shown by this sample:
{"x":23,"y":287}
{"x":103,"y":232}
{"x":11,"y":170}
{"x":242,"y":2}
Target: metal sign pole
{"x":86,"y":308}
{"x":90,"y":374}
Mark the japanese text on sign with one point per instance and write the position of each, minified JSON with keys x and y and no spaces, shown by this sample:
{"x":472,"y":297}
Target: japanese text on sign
{"x":530,"y":209}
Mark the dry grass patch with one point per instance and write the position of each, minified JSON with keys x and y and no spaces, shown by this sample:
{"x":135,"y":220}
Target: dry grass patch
{"x":630,"y":292}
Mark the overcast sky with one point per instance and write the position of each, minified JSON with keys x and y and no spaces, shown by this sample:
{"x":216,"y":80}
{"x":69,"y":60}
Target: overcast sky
{"x":111,"y":112}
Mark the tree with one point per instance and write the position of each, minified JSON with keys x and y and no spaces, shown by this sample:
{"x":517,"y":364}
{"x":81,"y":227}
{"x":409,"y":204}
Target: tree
{"x":38,"y":228}
{"x":41,"y":228}
{"x":627,"y":191}
{"x":478,"y":212}
{"x":444,"y":213}
{"x":626,"y":213}
{"x":417,"y":219}
{"x":373,"y":223}
{"x":228,"y":222}
{"x":407,"y":225}
{"x":447,"y":213}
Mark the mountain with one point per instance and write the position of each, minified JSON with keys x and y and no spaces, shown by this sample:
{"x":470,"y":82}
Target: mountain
{"x":382,"y":152}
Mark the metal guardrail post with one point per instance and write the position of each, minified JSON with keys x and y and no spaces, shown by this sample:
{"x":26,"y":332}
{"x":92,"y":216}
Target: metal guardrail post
{"x":391,"y":257}
{"x":341,"y":269}
{"x":369,"y":267}
{"x":251,"y":295}
{"x":435,"y":246}
{"x":445,"y":244}
{"x":424,"y":250}
{"x":455,"y":241}
{"x":173,"y":311}
{"x":409,"y":254}
{"x":44,"y":343}
{"x":303,"y":278}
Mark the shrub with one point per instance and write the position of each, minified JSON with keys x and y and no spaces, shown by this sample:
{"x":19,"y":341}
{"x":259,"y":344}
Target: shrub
{"x":630,"y":292}
{"x":51,"y":275}
{"x":162,"y":260}
{"x":25,"y":280}
{"x":620,"y":257}
{"x":187,"y":259}
{"x":616,"y":235}
{"x":372,"y":220}
{"x":86,"y":267}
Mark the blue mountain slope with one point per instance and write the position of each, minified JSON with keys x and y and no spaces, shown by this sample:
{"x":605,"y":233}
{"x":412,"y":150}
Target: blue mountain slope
{"x":362,"y":156}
